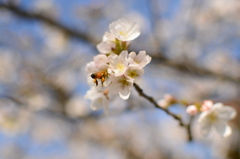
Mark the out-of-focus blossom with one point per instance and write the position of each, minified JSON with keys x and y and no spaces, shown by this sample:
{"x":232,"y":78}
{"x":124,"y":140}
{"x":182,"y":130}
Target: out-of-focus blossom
{"x":99,"y":99}
{"x":192,"y":110}
{"x":216,"y":117}
{"x":12,"y":122}
{"x":124,"y":30}
{"x":167,"y":100}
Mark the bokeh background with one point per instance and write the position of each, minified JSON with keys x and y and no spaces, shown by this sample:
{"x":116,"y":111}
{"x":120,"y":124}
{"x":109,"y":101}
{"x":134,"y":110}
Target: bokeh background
{"x":46,"y":44}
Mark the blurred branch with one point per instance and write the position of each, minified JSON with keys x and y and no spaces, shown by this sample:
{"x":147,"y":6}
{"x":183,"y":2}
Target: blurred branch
{"x":192,"y":68}
{"x":176,"y":117}
{"x":52,"y":112}
{"x":189,"y":128}
{"x":178,"y":65}
{"x":46,"y":19}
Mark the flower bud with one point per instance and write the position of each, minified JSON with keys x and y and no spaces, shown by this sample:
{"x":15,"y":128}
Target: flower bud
{"x":192,"y":110}
{"x":207,"y":104}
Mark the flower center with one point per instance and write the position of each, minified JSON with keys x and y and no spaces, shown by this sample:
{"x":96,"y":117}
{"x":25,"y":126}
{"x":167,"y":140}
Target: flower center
{"x":124,"y":82}
{"x":132,"y":74}
{"x":212,"y":117}
{"x":123,"y":33}
{"x":120,"y":67}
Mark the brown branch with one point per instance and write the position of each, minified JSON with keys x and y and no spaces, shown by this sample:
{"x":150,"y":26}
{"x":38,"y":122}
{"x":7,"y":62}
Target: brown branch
{"x":189,"y":129}
{"x":176,"y":117}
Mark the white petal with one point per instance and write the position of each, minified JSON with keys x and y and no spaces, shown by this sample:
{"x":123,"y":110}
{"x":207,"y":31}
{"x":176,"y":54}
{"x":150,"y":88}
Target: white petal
{"x":125,"y":92}
{"x":226,"y":113}
{"x":105,"y":47}
{"x":97,"y":104}
{"x":217,"y":106}
{"x":91,"y":67}
{"x":124,"y":95}
{"x":202,"y":117}
{"x":222,"y":128}
{"x":132,"y":55}
{"x":205,"y":124}
{"x":100,"y":59}
{"x":228,"y":131}
{"x":107,"y":81}
{"x":108,"y":37}
{"x":205,"y":128}
{"x":141,"y":55}
{"x":123,"y":55}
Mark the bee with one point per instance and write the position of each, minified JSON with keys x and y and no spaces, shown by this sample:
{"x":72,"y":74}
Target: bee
{"x":99,"y":75}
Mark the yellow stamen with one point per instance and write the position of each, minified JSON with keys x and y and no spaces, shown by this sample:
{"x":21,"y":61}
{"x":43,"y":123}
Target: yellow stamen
{"x":121,"y":67}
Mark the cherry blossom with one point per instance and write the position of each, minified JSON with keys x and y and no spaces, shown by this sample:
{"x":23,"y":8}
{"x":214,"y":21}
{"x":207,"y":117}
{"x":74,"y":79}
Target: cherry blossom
{"x":115,"y":68}
{"x":119,"y":64}
{"x":122,"y":85}
{"x":216,"y":118}
{"x":124,"y":30}
{"x":140,"y":60}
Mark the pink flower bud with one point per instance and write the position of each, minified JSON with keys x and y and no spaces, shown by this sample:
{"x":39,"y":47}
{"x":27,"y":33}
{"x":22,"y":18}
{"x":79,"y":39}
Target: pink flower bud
{"x":207,"y":104}
{"x":169,"y":97}
{"x":163,"y":103}
{"x":191,"y":110}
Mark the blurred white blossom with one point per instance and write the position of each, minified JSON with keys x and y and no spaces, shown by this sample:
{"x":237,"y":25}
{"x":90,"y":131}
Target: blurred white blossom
{"x":216,"y":117}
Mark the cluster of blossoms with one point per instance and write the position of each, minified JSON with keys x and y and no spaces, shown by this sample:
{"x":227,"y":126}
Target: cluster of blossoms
{"x":213,"y":116}
{"x":114,"y":70}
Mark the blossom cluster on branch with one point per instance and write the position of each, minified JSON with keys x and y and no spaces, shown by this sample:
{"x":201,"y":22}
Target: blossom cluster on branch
{"x":114,"y":70}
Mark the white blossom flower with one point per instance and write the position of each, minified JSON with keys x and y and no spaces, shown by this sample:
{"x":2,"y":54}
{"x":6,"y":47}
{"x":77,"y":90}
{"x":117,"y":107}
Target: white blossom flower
{"x":99,"y":99}
{"x":122,"y":86}
{"x":118,"y":63}
{"x":140,"y":60}
{"x":124,"y":30}
{"x":216,"y":117}
{"x":192,"y":110}
{"x":135,"y":73}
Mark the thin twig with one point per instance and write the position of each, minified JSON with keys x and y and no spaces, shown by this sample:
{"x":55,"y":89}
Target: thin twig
{"x":177,"y":117}
{"x":189,"y":129}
